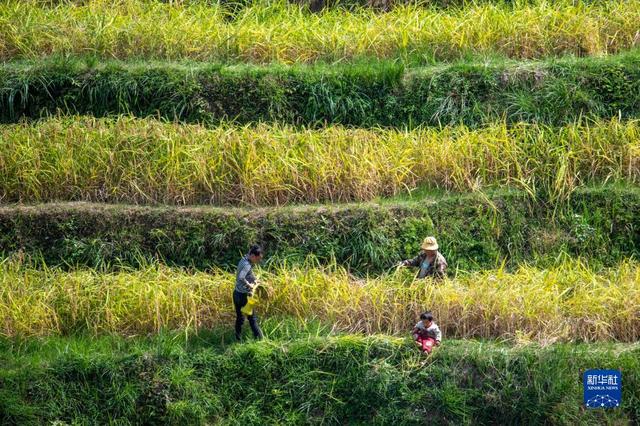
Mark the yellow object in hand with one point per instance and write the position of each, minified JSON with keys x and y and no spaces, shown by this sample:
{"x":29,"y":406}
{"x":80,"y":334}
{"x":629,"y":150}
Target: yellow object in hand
{"x":251,"y":302}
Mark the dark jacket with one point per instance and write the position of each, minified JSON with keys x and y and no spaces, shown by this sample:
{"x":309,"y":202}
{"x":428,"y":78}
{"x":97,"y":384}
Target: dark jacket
{"x":435,"y":269}
{"x":244,"y":275}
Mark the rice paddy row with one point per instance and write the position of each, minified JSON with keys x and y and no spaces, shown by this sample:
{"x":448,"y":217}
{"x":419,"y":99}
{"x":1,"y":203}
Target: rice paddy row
{"x":148,"y":161}
{"x":232,"y":7}
{"x":566,"y":303}
{"x":286,"y":33}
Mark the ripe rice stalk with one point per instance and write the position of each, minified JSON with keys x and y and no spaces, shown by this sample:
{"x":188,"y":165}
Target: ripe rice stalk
{"x":287,"y":33}
{"x":149,"y":161}
{"x":567,"y":302}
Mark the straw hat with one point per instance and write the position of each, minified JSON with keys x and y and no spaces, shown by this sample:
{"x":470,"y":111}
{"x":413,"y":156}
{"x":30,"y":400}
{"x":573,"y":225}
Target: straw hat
{"x":429,"y":243}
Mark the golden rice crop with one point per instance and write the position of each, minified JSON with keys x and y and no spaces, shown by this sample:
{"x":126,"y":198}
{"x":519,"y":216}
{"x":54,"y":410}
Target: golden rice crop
{"x":148,"y":161}
{"x":567,"y":302}
{"x":285,"y":33}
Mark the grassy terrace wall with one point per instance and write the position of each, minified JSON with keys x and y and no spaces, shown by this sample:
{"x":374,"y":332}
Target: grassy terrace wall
{"x":370,"y":94}
{"x":474,"y":231}
{"x":368,"y":380}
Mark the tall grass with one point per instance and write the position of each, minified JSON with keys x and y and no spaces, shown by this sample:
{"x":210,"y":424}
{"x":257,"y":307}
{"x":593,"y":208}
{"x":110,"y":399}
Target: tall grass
{"x":286,"y":33}
{"x":567,"y":302}
{"x":147,"y":161}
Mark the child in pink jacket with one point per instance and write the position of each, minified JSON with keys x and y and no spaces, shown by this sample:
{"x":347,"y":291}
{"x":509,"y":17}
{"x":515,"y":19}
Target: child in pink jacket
{"x":427,"y":333}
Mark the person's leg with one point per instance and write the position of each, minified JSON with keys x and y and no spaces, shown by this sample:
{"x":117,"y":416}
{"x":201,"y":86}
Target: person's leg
{"x":253,"y":322}
{"x":239,"y":300}
{"x":427,"y":344}
{"x":423,"y":343}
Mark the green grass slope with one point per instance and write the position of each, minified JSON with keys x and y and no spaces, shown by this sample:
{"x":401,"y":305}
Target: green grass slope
{"x":475,"y":231}
{"x":366,"y":94}
{"x":319,"y":380}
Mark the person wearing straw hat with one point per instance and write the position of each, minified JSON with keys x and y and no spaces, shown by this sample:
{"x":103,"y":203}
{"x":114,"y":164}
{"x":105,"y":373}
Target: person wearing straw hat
{"x":429,"y":260}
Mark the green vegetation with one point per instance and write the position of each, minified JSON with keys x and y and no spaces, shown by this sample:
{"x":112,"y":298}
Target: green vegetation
{"x":368,"y":380}
{"x":475,"y":231}
{"x":506,"y":128}
{"x":282,"y":33}
{"x":232,"y":7}
{"x":146,"y":161}
{"x":367,"y":94}
{"x":567,"y":302}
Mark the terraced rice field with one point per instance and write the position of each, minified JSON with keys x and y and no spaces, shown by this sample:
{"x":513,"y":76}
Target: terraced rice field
{"x":146,"y":145}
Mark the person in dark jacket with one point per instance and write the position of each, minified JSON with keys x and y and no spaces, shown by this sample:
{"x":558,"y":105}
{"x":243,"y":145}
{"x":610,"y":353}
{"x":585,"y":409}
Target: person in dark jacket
{"x":245,"y":283}
{"x":429,"y":260}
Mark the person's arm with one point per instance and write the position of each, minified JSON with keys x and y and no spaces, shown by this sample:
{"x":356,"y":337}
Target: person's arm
{"x":415,"y":333}
{"x":251,"y":281}
{"x":246,"y":277}
{"x":412,"y":262}
{"x":438,"y":334}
